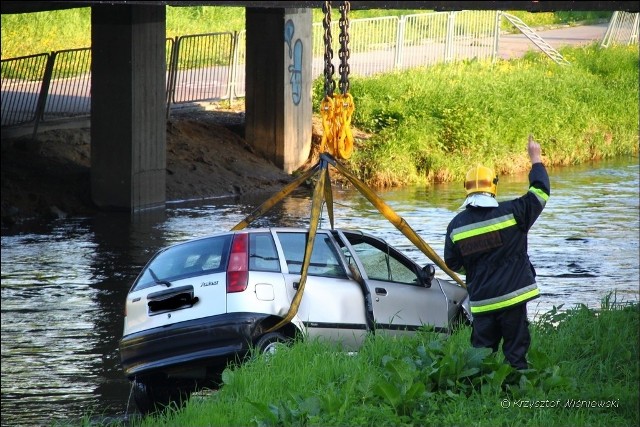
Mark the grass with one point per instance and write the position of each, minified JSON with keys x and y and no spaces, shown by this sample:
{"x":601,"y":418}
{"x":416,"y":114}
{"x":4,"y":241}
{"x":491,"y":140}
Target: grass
{"x":584,"y":371}
{"x":429,"y":124}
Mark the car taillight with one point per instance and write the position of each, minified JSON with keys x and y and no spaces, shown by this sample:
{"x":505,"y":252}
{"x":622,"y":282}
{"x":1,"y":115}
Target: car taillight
{"x":238,"y":267}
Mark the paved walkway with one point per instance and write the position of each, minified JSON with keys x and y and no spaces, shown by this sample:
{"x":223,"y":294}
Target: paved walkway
{"x":516,"y":45}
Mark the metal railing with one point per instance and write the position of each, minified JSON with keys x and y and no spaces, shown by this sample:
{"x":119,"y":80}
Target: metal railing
{"x":23,"y":79}
{"x":623,"y":29}
{"x":211,"y":67}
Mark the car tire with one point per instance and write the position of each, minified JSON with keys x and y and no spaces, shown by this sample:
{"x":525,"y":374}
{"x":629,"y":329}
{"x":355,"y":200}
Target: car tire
{"x":460,"y":321}
{"x":268,"y":343}
{"x":143,"y":396}
{"x":155,"y":395}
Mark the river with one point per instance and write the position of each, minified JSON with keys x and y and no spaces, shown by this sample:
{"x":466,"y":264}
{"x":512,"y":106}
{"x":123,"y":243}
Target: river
{"x":64,"y":282}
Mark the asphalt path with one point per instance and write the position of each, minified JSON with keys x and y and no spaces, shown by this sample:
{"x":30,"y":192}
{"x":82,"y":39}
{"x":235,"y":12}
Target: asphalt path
{"x":515,"y":45}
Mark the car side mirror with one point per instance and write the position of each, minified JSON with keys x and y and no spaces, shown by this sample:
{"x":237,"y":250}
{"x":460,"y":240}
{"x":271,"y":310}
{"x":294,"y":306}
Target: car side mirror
{"x":427,"y":274}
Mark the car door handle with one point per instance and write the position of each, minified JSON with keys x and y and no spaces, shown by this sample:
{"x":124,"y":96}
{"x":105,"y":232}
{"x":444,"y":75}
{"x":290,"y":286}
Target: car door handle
{"x":296,"y":285}
{"x":381,"y":291}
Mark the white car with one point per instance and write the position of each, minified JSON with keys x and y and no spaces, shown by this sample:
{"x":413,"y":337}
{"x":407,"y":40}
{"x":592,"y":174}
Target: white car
{"x":197,"y":305}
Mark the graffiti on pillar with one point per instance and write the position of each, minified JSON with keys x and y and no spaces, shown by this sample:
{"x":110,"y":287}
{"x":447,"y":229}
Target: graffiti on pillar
{"x":295,"y":58}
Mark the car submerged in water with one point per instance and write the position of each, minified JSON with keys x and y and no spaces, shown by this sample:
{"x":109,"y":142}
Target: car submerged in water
{"x":200,"y":304}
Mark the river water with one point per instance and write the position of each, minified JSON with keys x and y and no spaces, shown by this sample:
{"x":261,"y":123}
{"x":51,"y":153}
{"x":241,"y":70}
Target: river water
{"x":64,"y":282}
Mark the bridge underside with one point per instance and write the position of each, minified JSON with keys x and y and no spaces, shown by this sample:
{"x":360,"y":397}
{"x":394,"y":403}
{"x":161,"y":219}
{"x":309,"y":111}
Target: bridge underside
{"x":128,"y":136}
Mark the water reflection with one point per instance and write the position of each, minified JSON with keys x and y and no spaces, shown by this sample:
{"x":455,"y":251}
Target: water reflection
{"x":64,"y":283}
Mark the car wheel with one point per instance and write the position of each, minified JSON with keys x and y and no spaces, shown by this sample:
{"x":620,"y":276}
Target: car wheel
{"x":460,"y":321}
{"x":143,"y":396}
{"x":269,"y":343}
{"x":154,"y":395}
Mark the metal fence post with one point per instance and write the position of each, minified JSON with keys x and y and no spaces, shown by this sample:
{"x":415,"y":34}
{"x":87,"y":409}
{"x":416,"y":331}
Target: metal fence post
{"x":607,"y":36}
{"x":633,"y":38}
{"x":448,"y":43}
{"x":173,"y":67}
{"x":400,"y":41}
{"x":44,"y":92}
{"x":231,"y":79}
{"x":496,"y":37}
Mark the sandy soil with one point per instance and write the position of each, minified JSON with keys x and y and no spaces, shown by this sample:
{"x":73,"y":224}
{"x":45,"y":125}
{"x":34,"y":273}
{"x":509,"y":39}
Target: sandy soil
{"x":206,"y":157}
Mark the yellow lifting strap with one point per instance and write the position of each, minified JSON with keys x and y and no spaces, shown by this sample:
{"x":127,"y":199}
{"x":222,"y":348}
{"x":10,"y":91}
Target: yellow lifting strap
{"x":337,"y":137}
{"x":337,"y":109}
{"x":322,"y":191}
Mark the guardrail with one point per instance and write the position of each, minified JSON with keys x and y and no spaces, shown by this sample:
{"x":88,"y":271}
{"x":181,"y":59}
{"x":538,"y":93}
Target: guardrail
{"x":211,"y":67}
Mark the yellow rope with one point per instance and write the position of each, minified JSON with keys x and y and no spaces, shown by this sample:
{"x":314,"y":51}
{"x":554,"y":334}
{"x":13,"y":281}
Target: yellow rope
{"x":337,"y":137}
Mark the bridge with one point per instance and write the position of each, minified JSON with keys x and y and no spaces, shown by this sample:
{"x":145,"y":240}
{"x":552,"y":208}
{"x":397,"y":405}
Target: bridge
{"x":128,"y":99}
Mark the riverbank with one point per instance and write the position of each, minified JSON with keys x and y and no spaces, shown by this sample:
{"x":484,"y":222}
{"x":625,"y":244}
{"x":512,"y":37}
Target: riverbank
{"x":584,"y":370}
{"x":430,"y":124}
{"x":207,"y":157}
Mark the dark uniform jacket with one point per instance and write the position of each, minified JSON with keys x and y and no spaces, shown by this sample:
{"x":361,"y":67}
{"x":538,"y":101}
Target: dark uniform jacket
{"x":489,"y":245}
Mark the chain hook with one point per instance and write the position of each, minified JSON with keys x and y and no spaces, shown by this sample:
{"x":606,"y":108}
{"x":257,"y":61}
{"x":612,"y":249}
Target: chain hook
{"x":337,"y":108}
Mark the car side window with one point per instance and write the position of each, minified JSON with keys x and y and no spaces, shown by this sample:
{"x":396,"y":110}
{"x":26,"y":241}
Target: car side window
{"x":380,"y":265}
{"x":325,"y":260}
{"x":262,"y":253}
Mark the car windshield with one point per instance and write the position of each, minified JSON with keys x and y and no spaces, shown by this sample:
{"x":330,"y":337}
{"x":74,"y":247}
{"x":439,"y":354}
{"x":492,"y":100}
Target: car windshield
{"x":204,"y":256}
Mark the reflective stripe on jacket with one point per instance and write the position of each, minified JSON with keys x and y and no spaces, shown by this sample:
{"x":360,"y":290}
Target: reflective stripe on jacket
{"x":489,"y":245}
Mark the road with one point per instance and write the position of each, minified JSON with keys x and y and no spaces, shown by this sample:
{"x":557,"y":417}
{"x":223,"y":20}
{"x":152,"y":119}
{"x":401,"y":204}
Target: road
{"x":515,"y":45}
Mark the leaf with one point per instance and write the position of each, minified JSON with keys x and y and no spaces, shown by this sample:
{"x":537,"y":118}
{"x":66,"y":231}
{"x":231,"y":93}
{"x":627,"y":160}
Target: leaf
{"x":389,"y":392}
{"x":468,"y":372}
{"x":476,"y":356}
{"x":415,"y":391}
{"x":266,"y":411}
{"x":227,"y":376}
{"x":498,"y":376}
{"x":311,"y":405}
{"x":538,"y":359}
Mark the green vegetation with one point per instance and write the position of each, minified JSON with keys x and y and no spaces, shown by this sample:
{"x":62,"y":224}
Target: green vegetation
{"x":429,"y":124}
{"x":584,"y":371}
{"x":43,"y":32}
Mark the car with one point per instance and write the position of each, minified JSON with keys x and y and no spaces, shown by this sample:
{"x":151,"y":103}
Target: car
{"x":200,"y":304}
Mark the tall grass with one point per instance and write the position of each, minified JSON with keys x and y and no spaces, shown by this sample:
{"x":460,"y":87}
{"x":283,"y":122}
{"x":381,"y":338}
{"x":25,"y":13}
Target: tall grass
{"x":429,"y":124}
{"x":584,"y":371}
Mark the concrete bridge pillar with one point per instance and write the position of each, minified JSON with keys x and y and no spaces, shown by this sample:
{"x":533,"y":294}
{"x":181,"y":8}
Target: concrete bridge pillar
{"x":128,"y":106}
{"x":278,"y":84}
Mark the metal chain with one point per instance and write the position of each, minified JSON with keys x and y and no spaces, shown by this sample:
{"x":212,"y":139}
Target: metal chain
{"x":329,"y":82}
{"x":344,"y":52}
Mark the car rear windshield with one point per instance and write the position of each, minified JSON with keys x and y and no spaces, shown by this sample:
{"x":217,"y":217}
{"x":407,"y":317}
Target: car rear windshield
{"x":203,"y":256}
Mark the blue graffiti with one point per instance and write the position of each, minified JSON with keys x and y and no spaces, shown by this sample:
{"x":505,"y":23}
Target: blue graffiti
{"x":296,"y":73}
{"x":289,"y":29}
{"x":295,"y":68}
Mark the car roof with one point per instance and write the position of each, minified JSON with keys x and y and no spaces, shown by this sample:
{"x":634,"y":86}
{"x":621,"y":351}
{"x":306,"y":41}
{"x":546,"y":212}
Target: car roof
{"x":268,"y":230}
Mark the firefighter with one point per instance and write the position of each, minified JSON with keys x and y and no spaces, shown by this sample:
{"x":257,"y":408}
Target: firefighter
{"x":487,"y":242}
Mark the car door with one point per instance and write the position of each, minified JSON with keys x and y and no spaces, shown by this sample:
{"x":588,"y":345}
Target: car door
{"x":332,"y":305}
{"x":401,"y":301}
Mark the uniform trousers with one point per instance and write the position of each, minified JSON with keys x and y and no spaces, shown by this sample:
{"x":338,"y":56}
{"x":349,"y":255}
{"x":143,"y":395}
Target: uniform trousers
{"x":510,"y":325}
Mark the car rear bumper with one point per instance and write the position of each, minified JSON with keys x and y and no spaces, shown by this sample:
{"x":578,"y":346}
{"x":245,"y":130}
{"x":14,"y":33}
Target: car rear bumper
{"x":206,"y":342}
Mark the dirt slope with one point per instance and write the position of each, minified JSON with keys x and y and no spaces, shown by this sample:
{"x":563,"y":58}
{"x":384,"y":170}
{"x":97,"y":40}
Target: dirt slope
{"x":50,"y":177}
